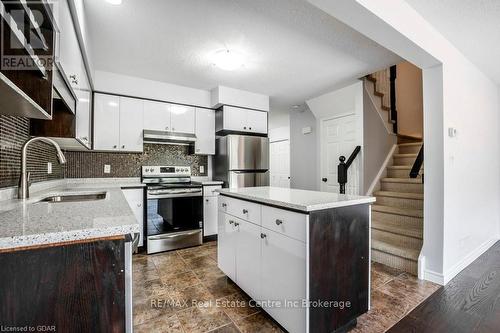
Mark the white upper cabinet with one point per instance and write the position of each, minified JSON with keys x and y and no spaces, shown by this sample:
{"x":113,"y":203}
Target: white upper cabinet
{"x":83,"y":117}
{"x":182,"y":118}
{"x":242,"y":120}
{"x":106,"y":122}
{"x":156,"y":116}
{"x":118,"y":123}
{"x":205,"y":132}
{"x":131,"y":124}
{"x":256,"y":121}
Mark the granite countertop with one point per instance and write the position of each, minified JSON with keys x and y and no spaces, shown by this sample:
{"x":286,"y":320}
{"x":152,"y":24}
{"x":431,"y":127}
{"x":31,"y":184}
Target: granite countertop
{"x":302,"y":200}
{"x":29,"y":222}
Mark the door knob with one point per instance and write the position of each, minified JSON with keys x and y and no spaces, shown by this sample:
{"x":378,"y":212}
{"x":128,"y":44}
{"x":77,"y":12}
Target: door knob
{"x":324,"y":180}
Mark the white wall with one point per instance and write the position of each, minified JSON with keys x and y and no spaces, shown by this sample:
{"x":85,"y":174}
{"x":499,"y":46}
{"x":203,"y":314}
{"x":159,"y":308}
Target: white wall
{"x":377,"y":143}
{"x":460,"y":172}
{"x":303,"y":153}
{"x":133,"y":86}
{"x":278,"y":119}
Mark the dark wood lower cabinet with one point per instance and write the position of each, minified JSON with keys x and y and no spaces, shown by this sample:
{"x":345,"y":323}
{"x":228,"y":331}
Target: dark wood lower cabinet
{"x":338,"y":267}
{"x":73,"y":288}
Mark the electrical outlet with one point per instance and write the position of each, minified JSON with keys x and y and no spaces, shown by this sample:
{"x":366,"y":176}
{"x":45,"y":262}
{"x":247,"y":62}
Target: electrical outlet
{"x":202,"y":169}
{"x":49,"y":168}
{"x":107,"y":168}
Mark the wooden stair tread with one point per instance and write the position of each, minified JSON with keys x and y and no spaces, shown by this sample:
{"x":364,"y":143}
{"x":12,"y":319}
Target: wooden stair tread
{"x":410,"y":144}
{"x":398,"y":229}
{"x":398,"y":211}
{"x":403,"y":252}
{"x":403,"y":195}
{"x":402,"y":180}
{"x":406,"y":155}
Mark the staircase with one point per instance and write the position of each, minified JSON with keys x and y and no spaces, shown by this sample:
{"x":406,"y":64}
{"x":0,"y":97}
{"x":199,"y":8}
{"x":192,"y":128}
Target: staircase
{"x":397,"y":216}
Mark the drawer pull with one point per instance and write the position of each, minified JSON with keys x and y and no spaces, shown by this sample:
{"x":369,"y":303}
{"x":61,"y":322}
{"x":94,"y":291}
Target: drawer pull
{"x":224,"y":205}
{"x":263,"y":235}
{"x":278,"y":222}
{"x":236,"y":224}
{"x":231,"y":221}
{"x":245,"y":211}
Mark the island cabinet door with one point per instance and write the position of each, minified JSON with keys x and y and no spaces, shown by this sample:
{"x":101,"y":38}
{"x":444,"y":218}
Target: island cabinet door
{"x":226,"y":244}
{"x":283,"y":279}
{"x":248,"y":256}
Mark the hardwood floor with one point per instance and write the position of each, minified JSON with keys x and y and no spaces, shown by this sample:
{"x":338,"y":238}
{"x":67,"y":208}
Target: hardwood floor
{"x":468,"y":303}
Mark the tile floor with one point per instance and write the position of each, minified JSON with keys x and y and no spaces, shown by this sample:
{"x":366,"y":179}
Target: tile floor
{"x":184,"y":292}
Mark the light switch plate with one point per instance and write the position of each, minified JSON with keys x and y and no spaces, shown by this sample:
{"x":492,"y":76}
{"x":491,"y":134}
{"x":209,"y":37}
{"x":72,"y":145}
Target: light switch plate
{"x":49,"y":168}
{"x":107,"y":168}
{"x":306,"y":130}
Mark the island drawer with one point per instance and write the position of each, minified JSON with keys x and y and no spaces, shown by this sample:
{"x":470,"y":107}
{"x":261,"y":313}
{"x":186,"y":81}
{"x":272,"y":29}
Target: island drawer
{"x":242,"y":209}
{"x":285,"y":222}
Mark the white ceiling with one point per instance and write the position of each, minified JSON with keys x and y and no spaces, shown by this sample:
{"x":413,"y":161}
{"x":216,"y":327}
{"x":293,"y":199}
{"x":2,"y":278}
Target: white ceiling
{"x":294,"y":50}
{"x":473,"y":26}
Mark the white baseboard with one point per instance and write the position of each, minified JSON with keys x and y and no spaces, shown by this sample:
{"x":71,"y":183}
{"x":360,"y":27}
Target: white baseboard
{"x":459,"y":266}
{"x":432,"y":276}
{"x":381,"y":172}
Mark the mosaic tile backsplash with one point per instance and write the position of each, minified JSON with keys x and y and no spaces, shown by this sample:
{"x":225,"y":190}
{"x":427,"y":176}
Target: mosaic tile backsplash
{"x":14,"y":131}
{"x":91,"y":164}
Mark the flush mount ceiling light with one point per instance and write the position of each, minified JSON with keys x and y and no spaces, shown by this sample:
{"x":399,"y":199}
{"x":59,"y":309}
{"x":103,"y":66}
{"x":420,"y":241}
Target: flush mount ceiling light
{"x":228,"y":60}
{"x":114,"y":2}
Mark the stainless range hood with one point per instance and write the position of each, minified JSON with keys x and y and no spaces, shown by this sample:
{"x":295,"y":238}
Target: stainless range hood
{"x":164,"y":137}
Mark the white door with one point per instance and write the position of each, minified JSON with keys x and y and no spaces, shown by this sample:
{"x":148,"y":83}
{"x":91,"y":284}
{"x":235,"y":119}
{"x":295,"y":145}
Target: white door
{"x":182,"y":118}
{"x":106,"y":122}
{"x":226,"y":245}
{"x":256,"y":121}
{"x":248,"y":257}
{"x":279,"y":163}
{"x":131,"y":124}
{"x":156,"y":116}
{"x":339,"y":137}
{"x":209,"y":216}
{"x":205,"y":132}
{"x":284,"y":278}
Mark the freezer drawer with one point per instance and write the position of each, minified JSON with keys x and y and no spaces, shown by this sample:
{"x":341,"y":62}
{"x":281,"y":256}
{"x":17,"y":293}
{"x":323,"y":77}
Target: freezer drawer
{"x":238,"y":179}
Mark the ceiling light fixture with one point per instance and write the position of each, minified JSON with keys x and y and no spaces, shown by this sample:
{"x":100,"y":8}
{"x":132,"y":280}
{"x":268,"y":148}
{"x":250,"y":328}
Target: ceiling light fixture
{"x":114,"y":2}
{"x":228,"y":60}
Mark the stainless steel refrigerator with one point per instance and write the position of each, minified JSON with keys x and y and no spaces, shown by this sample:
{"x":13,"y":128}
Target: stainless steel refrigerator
{"x":242,"y":161}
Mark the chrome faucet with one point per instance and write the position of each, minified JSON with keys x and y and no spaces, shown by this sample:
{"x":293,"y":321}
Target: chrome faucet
{"x":23,"y":191}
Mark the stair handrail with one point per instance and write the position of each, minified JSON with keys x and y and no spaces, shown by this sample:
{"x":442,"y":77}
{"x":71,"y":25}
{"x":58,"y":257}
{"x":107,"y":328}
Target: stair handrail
{"x":392,"y":89}
{"x":415,"y":169}
{"x":344,"y":166}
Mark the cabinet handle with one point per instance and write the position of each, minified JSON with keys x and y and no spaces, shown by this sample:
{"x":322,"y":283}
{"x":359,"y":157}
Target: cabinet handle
{"x":245,"y":127}
{"x":263,"y":235}
{"x":224,"y":205}
{"x":278,"y":222}
{"x":231,"y":221}
{"x":236,"y":224}
{"x":249,"y":128}
{"x":114,"y":146}
{"x":123,"y":146}
{"x":139,"y":205}
{"x":245,"y":211}
{"x":166,"y":128}
{"x":207,"y":200}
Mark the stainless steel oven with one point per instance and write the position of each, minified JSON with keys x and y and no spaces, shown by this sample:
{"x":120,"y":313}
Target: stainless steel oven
{"x":174,"y":208}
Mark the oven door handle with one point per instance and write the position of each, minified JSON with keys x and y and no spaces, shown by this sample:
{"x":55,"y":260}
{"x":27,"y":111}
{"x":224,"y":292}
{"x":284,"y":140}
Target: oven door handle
{"x":174,"y":195}
{"x":173,"y":236}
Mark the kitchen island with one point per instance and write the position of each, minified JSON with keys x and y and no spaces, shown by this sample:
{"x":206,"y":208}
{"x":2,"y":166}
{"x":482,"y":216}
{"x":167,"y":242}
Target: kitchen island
{"x":65,"y":255}
{"x":302,"y":255}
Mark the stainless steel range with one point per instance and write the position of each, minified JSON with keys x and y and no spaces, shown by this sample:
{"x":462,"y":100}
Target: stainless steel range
{"x":174,"y":208}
